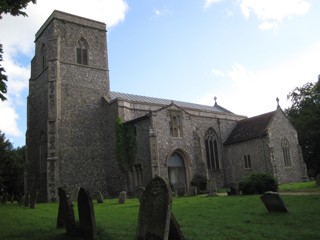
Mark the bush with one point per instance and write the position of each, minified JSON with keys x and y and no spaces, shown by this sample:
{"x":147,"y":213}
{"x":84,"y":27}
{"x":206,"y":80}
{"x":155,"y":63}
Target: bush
{"x":258,"y":183}
{"x":200,"y":182}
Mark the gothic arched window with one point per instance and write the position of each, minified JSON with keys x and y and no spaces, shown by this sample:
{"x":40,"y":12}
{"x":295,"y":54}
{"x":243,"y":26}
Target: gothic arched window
{"x":176,"y":170}
{"x":211,"y":145}
{"x":286,"y":152}
{"x":82,"y":52}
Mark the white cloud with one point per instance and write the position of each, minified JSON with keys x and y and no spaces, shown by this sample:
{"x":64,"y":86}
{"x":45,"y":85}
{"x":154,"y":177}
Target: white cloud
{"x":161,"y":12}
{"x":218,"y":73}
{"x":254,"y":92}
{"x":208,"y":3}
{"x":17,"y":36}
{"x":271,"y":12}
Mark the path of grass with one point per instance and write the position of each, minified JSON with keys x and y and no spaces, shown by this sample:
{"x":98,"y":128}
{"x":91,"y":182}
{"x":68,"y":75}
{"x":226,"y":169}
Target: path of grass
{"x":201,"y":217}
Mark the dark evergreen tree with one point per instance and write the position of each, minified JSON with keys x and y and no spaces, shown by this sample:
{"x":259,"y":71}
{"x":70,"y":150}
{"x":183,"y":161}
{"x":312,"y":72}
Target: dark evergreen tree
{"x":305,"y":116}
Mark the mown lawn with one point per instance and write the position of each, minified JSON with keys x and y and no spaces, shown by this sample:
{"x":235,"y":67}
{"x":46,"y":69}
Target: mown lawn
{"x":200,"y":217}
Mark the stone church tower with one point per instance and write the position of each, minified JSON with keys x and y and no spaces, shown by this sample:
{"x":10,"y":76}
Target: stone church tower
{"x":66,"y":121}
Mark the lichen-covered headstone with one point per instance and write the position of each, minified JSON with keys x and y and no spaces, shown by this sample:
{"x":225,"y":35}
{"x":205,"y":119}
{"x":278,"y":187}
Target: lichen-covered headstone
{"x":66,"y":213}
{"x":26,"y":200}
{"x":122,"y":197}
{"x":140,"y":193}
{"x":175,"y":231}
{"x":155,"y":211}
{"x":99,"y":197}
{"x":273,"y":202}
{"x":87,"y":222}
{"x":33,"y":199}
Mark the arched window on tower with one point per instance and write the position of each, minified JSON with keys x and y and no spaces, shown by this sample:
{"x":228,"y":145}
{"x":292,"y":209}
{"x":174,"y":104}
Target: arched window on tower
{"x":286,"y":151}
{"x":82,"y":52}
{"x":211,"y":145}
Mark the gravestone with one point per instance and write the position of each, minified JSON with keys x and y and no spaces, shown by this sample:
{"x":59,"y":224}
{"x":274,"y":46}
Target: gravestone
{"x":26,"y":200}
{"x":22,"y":199}
{"x":193,"y":191}
{"x":140,"y":193}
{"x":33,"y":199}
{"x":212,"y":187}
{"x":99,"y":197}
{"x":87,"y":222}
{"x":74,"y":193}
{"x":155,"y":211}
{"x":175,"y":231}
{"x":273,"y":202}
{"x":66,"y":213}
{"x":122,"y":197}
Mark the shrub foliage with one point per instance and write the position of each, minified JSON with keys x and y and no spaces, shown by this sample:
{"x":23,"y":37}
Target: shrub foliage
{"x":258,"y":183}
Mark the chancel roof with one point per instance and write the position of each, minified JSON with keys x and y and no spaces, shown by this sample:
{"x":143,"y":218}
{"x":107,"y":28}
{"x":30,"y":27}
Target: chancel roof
{"x":250,"y":128}
{"x":165,"y":102}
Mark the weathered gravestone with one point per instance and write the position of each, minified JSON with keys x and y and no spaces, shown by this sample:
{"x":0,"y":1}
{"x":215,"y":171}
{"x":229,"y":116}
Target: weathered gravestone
{"x":99,"y":197}
{"x":212,"y":187}
{"x":155,"y":211}
{"x":140,"y":193}
{"x":273,"y":202}
{"x":66,"y":213}
{"x":73,"y":193}
{"x":26,"y":200}
{"x":87,"y":222}
{"x":175,"y":231}
{"x":122,"y":197}
{"x":317,"y":179}
{"x":33,"y":199}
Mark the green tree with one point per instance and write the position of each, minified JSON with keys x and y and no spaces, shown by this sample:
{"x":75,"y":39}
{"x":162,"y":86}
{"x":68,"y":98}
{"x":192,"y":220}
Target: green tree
{"x":12,"y":163}
{"x":305,"y":116}
{"x":12,"y":7}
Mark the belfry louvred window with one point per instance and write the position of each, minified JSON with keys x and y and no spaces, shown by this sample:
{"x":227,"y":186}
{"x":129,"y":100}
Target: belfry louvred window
{"x":82,"y":52}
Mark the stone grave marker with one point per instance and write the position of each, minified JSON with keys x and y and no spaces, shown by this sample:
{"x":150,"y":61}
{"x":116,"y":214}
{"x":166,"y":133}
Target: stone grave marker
{"x":74,"y":193}
{"x":317,"y":179}
{"x":22,"y":199}
{"x":26,"y":199}
{"x":212,"y":187}
{"x":273,"y":202}
{"x":122,"y":197}
{"x":140,"y":193}
{"x":99,"y":197}
{"x":87,"y":222}
{"x":175,"y":231}
{"x":66,"y":213}
{"x":33,"y":199}
{"x":155,"y":211}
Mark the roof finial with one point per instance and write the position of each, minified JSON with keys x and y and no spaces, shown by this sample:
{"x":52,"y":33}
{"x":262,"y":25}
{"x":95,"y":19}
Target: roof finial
{"x":215,"y":100}
{"x":277,"y":99}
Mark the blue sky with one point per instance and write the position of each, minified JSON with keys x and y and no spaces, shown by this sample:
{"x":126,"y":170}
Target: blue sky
{"x":245,"y":52}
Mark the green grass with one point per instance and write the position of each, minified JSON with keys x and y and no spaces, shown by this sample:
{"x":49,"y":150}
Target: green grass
{"x":299,"y":187}
{"x":201,"y":217}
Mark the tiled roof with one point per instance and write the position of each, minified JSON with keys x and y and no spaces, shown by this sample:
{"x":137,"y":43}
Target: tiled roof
{"x":165,"y":102}
{"x":250,"y":128}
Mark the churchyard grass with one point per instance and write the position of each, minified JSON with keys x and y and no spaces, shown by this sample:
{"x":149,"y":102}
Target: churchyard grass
{"x":309,"y":186}
{"x":200,"y":217}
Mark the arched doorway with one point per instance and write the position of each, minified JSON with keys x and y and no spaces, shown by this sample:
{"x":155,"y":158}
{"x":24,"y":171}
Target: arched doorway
{"x":177,"y":172}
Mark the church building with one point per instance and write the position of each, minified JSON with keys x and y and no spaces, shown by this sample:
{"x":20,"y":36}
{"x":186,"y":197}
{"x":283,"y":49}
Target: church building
{"x":80,"y":133}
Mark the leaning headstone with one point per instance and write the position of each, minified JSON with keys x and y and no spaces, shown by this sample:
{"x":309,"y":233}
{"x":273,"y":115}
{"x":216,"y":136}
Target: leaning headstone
{"x":74,"y":193}
{"x":99,"y":197}
{"x":66,"y":213}
{"x":212,"y":187}
{"x":140,"y":193}
{"x":155,"y":211}
{"x":122,"y":197}
{"x":175,"y":231}
{"x":26,"y":200}
{"x":273,"y":202}
{"x":33,"y":199}
{"x":87,"y":222}
{"x":22,"y":199}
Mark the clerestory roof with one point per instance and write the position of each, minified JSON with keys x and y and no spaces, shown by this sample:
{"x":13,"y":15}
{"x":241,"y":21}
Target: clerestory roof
{"x":250,"y":128}
{"x":165,"y":102}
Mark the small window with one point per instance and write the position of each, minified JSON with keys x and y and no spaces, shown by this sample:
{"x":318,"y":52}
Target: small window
{"x":247,"y":161}
{"x":175,"y":124}
{"x":211,"y":145}
{"x":82,"y":52}
{"x":286,"y":152}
